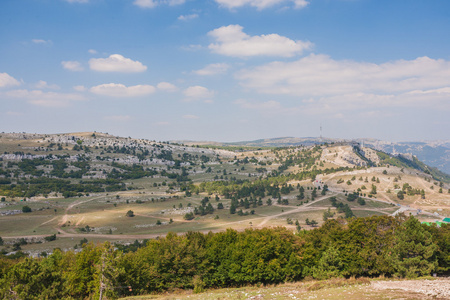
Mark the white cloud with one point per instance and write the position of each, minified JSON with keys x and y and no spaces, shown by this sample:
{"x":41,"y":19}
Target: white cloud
{"x":232,"y":41}
{"x":92,"y":51}
{"x":7,"y":80}
{"x":116,"y":63}
{"x":327,"y":87}
{"x":154,"y":3}
{"x":173,"y":2}
{"x":120,"y":90}
{"x":300,"y":3}
{"x":190,"y":117}
{"x":187,"y":17}
{"x":260,"y":4}
{"x":42,"y":42}
{"x":197,"y":92}
{"x":166,"y":86}
{"x":72,"y":66}
{"x":319,"y":75}
{"x":79,"y":88}
{"x":213,"y":69}
{"x":46,"y":99}
{"x":146,"y":3}
{"x":120,"y":118}
{"x":44,"y":85}
{"x":441,"y":91}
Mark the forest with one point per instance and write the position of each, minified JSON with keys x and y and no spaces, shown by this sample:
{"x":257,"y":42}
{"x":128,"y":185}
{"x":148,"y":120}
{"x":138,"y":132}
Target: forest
{"x":357,"y":247}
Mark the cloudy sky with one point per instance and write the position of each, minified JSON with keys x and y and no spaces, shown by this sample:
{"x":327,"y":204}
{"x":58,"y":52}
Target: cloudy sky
{"x":227,"y":70}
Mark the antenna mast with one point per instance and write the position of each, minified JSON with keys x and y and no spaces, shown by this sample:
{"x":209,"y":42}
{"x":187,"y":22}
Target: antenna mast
{"x":320,"y":132}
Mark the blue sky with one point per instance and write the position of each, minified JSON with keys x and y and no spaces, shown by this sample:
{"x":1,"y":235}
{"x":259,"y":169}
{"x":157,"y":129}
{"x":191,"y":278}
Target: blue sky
{"x":226,"y":70}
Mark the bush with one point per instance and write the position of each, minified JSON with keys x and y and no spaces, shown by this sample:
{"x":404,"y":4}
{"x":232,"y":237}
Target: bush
{"x":50,"y":238}
{"x":189,"y":216}
{"x":26,"y":209}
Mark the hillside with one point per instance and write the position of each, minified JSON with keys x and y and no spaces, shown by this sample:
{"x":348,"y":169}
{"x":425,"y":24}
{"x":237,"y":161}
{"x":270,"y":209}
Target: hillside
{"x":83,"y":186}
{"x":433,"y":153}
{"x":127,"y":217}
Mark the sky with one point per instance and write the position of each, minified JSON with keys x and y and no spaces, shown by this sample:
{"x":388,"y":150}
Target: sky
{"x":227,"y":70}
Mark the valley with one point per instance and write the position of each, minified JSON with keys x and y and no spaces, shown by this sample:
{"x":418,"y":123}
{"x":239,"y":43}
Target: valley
{"x":82,"y":187}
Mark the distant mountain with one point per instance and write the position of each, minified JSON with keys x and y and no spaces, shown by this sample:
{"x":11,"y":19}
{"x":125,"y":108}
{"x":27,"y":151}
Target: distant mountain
{"x":433,"y":153}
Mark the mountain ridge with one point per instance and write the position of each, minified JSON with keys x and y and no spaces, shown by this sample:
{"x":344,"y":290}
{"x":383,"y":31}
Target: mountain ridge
{"x":435,"y":153}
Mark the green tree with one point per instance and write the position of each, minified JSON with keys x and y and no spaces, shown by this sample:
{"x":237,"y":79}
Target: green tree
{"x":374,"y":189}
{"x":82,"y":277}
{"x":330,"y":264}
{"x":130,"y":214}
{"x":189,"y":216}
{"x":413,"y":251}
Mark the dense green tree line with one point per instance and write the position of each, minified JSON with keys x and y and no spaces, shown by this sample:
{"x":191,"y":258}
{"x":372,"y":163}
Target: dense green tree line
{"x":371,"y":246}
{"x":258,"y":188}
{"x":134,"y":171}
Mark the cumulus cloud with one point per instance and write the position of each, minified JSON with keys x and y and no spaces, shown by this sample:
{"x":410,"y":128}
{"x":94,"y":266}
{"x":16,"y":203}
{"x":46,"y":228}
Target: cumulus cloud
{"x":120,"y":90}
{"x":46,"y":99}
{"x":72,"y":66}
{"x":326,"y":86}
{"x":6,"y":80}
{"x":146,"y":3}
{"x":213,"y":69}
{"x":260,"y":4}
{"x":44,"y":85}
{"x":187,"y":17}
{"x":92,"y":51}
{"x":197,"y":92}
{"x":116,"y":63}
{"x":319,"y":75}
{"x":154,"y":3}
{"x":166,"y":86}
{"x":232,"y":41}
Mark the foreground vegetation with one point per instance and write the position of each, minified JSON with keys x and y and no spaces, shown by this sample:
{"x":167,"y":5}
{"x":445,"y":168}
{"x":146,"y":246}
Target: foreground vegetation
{"x":367,"y":247}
